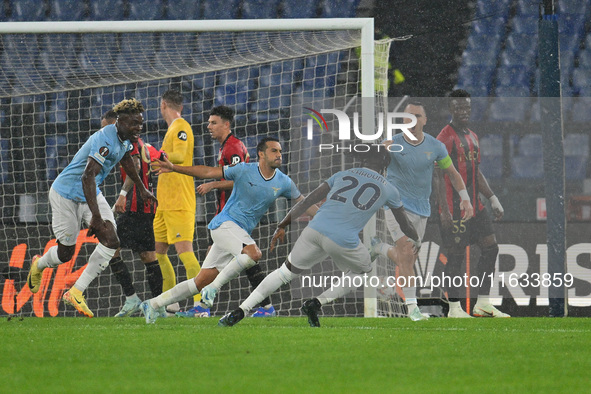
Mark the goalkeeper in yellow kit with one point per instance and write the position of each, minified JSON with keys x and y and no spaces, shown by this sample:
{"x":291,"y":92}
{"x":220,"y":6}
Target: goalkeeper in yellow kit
{"x":174,"y":222}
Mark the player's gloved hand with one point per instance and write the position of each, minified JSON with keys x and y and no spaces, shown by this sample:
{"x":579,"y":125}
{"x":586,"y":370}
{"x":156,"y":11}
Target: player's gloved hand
{"x":161,"y":166}
{"x":496,"y":206}
{"x":278,"y":235}
{"x":416,"y":245}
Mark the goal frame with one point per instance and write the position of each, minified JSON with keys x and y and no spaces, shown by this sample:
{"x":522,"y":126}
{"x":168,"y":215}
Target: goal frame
{"x":364,"y":25}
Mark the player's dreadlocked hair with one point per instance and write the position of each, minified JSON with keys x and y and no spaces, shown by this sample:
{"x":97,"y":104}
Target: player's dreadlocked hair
{"x":130,"y":107}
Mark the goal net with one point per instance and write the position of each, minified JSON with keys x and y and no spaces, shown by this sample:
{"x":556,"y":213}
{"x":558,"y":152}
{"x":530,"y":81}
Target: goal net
{"x":57,"y":79}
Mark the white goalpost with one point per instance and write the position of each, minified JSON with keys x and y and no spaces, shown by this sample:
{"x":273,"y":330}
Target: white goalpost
{"x":58,"y":78}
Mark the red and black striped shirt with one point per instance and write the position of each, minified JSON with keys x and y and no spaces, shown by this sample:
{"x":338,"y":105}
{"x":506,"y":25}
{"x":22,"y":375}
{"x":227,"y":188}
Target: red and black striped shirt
{"x":134,"y":202}
{"x":464,"y":151}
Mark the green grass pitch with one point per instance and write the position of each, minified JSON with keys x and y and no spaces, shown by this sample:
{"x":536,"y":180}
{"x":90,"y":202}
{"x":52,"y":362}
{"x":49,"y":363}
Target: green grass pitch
{"x":285,"y":355}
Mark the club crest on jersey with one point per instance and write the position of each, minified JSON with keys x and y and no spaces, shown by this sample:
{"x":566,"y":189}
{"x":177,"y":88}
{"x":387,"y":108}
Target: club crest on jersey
{"x":182,"y":135}
{"x":275,"y":190}
{"x":103,"y":151}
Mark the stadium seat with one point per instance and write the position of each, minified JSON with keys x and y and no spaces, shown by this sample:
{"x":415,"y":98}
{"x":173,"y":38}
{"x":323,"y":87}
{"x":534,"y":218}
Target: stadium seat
{"x":581,"y":79}
{"x":580,"y":7}
{"x":299,"y":8}
{"x":528,"y":162}
{"x":339,"y":9}
{"x":3,"y":12}
{"x":487,"y":8}
{"x":489,"y":26}
{"x":517,"y":76}
{"x":522,"y":42}
{"x":585,"y":57}
{"x":67,"y":10}
{"x":27,"y":11}
{"x":476,"y":76}
{"x":214,"y":9}
{"x":571,"y":24}
{"x":516,"y":57}
{"x":58,"y":108}
{"x":184,"y":10}
{"x":486,"y":57}
{"x":528,"y":8}
{"x":482,"y":42}
{"x":106,"y":10}
{"x":525,"y":25}
{"x":511,"y":104}
{"x":147,"y":10}
{"x":56,"y":155}
{"x":491,"y":155}
{"x":580,"y":110}
{"x":259,"y":9}
{"x":576,"y":155}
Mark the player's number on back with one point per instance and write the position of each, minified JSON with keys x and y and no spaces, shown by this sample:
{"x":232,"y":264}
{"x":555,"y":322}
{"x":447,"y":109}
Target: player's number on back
{"x":372,"y":187}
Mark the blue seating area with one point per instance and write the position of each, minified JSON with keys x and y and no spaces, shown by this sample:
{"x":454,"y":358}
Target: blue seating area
{"x":102,"y":10}
{"x":502,"y":51}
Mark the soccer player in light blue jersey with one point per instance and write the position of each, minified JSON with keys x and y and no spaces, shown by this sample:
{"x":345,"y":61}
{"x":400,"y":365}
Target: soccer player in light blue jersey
{"x":352,"y":198}
{"x":256,"y":187}
{"x":411,"y":170}
{"x":75,"y":198}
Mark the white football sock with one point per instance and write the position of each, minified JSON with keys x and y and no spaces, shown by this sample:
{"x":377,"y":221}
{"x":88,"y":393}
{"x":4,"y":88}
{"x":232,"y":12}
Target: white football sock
{"x":178,"y":293}
{"x":382,"y":249}
{"x":272,"y":282}
{"x":410,"y":294}
{"x":97,"y":262}
{"x":232,"y":270}
{"x":49,"y":259}
{"x":346,"y":286}
{"x":455,"y":304}
{"x":483,"y":300}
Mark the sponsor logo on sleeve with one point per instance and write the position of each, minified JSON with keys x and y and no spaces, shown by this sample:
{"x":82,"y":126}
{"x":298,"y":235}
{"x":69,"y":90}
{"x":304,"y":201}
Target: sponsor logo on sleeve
{"x":182,"y":135}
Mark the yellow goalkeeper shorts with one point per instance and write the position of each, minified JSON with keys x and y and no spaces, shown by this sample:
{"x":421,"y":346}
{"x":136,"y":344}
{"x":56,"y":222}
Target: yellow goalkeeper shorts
{"x":174,"y":226}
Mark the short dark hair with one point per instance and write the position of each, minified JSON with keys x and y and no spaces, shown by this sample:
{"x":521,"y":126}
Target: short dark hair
{"x":417,"y":104}
{"x":262,"y":145}
{"x":377,"y":157}
{"x":173,"y":97}
{"x":109,"y":115}
{"x":226,"y":113}
{"x":458,"y":93}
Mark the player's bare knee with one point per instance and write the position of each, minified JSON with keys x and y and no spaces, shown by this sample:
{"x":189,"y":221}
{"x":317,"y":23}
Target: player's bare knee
{"x":253,"y":252}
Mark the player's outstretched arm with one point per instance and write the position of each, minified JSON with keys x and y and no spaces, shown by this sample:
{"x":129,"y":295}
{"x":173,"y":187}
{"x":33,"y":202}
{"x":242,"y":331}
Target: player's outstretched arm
{"x":407,"y":227}
{"x":303,"y":205}
{"x":202,"y":172}
{"x":129,"y":167}
{"x":484,"y":188}
{"x":458,"y":184}
{"x":205,"y":188}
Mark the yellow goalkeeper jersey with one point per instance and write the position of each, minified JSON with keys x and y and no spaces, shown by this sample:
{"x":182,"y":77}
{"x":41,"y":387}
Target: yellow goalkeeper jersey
{"x":176,"y":192}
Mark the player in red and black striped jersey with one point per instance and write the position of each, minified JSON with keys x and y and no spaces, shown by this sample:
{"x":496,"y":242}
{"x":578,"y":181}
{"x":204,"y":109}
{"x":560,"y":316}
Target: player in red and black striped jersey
{"x":135,"y":225}
{"x":232,"y":151}
{"x":456,"y":233}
